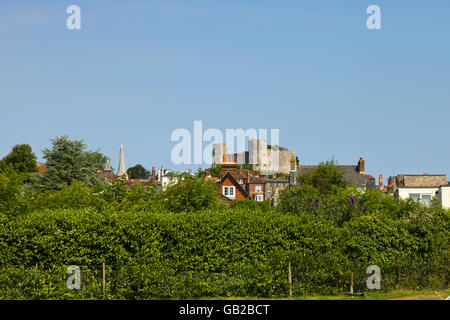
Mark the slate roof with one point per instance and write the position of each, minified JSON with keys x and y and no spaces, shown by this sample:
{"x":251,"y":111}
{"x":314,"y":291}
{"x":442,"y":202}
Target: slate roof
{"x":256,"y":180}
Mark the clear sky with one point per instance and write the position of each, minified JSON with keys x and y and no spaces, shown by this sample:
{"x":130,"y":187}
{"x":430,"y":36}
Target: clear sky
{"x":137,"y":70}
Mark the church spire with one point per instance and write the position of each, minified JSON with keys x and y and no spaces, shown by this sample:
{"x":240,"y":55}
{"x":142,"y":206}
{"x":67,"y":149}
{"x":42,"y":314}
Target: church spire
{"x":121,"y":170}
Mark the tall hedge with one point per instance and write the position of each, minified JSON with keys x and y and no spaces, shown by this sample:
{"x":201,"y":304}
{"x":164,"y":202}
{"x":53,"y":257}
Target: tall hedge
{"x":152,"y":254}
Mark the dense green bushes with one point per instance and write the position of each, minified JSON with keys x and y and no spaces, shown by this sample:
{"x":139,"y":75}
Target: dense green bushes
{"x":210,"y":253}
{"x":183,"y":243}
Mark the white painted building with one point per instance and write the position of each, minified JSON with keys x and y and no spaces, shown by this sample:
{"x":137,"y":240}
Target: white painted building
{"x":168,"y":178}
{"x":444,"y":196}
{"x":425,"y":195}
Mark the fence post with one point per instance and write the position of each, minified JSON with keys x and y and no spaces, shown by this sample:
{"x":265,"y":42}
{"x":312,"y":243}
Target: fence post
{"x":290,"y":280}
{"x":351,"y":284}
{"x":104,"y":280}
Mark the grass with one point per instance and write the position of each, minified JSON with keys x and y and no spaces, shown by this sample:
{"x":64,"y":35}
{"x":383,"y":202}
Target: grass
{"x":373,"y":295}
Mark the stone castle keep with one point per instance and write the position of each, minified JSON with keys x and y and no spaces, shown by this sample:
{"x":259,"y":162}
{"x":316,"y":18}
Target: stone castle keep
{"x":259,"y":156}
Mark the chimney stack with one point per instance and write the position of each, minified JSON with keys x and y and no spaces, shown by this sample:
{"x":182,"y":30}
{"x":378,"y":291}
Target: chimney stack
{"x":361,"y":165}
{"x":380,"y":180}
{"x":390,"y":180}
{"x":153,"y":174}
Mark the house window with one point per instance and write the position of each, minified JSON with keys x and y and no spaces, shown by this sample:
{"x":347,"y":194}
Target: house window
{"x":424,"y":199}
{"x":241,"y":181}
{"x":228,"y":191}
{"x":258,"y":189}
{"x":259,"y":197}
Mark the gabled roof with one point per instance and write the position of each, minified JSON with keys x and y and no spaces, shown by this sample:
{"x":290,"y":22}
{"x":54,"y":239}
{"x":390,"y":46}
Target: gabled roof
{"x":425,"y":180}
{"x":237,"y":185}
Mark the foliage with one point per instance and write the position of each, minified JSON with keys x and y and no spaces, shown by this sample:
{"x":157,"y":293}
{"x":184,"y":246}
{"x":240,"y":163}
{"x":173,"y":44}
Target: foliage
{"x":304,"y":198}
{"x":228,"y":252}
{"x":68,"y":160}
{"x":251,"y":204}
{"x":181,"y":243}
{"x":12,"y":191}
{"x":215,"y":171}
{"x":190,"y":194}
{"x":326,"y":178}
{"x":21,"y":158}
{"x":138,"y":172}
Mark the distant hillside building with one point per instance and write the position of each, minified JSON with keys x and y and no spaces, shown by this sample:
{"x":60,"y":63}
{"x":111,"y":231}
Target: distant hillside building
{"x":236,"y":184}
{"x":258,"y":157}
{"x":108,"y":173}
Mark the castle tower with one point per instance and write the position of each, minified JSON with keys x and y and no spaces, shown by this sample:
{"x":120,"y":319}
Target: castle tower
{"x":121,"y":169}
{"x":219,"y":150}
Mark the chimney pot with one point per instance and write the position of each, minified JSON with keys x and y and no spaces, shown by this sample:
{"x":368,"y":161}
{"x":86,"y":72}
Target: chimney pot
{"x":390,"y":180}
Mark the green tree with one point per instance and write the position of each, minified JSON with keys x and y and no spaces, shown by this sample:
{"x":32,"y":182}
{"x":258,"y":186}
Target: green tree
{"x":138,"y":172}
{"x":68,"y":160}
{"x":12,"y":191}
{"x":200,"y":174}
{"x":190,"y":194}
{"x":326,"y":178}
{"x":215,"y":171}
{"x":21,"y":158}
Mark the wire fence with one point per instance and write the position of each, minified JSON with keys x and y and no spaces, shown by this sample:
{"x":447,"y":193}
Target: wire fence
{"x":147,"y":282}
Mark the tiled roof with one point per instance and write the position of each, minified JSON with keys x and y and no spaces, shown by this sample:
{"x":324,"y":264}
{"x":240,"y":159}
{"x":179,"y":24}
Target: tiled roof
{"x":255,"y":179}
{"x":42,"y":167}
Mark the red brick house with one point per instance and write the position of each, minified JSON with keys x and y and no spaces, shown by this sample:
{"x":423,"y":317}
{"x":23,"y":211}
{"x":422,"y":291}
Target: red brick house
{"x":232,"y":189}
{"x":237,"y":183}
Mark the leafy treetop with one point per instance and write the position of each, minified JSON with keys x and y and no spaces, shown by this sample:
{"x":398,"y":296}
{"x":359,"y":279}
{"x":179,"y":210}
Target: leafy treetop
{"x":138,"y":172}
{"x":327,"y":178}
{"x":68,"y":160}
{"x":21,"y":158}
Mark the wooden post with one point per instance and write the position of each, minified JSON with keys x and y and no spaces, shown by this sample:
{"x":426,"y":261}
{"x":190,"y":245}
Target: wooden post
{"x":290,"y":280}
{"x":104,"y":280}
{"x":351,"y":284}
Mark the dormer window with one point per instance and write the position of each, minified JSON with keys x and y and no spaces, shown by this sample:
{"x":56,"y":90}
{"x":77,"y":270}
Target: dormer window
{"x":241,"y":181}
{"x":228,"y":191}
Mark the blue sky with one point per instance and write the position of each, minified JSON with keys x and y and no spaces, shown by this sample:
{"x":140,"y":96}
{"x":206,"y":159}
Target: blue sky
{"x":137,"y":70}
